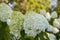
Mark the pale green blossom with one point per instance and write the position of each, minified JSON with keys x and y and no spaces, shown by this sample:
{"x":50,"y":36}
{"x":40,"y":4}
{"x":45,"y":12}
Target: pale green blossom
{"x":15,"y":23}
{"x":16,"y":33}
{"x":5,"y":12}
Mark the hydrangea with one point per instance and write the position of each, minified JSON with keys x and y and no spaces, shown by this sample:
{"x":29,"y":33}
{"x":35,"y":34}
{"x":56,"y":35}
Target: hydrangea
{"x":15,"y":23}
{"x":34,"y":23}
{"x":5,"y":12}
{"x":54,"y":15}
{"x":56,"y":23}
{"x":51,"y":36}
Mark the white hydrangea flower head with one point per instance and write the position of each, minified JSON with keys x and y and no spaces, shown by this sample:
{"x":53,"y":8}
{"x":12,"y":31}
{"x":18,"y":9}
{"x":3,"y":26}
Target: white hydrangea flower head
{"x":56,"y":23}
{"x":34,"y":22}
{"x":53,"y":29}
{"x":15,"y":22}
{"x":51,"y":36}
{"x":48,"y":16}
{"x":5,"y":12}
{"x":54,"y":14}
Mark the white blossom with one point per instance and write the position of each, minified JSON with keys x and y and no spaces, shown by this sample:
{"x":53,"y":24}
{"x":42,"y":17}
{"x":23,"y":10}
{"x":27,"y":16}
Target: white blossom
{"x":54,"y":15}
{"x":43,"y":12}
{"x":48,"y":16}
{"x":56,"y":23}
{"x":51,"y":36}
{"x":8,"y":21}
{"x":52,"y":29}
{"x":34,"y":23}
{"x":5,"y":12}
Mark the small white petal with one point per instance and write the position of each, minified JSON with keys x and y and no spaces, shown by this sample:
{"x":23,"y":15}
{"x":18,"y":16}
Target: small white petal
{"x":56,"y":23}
{"x":51,"y":36}
{"x":48,"y":16}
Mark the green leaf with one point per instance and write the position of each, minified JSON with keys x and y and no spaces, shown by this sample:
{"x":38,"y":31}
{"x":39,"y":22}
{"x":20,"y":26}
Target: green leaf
{"x":4,"y":31}
{"x":42,"y":34}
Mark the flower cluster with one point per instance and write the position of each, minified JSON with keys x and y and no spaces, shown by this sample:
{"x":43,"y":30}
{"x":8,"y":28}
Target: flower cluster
{"x":34,"y":23}
{"x":48,"y":15}
{"x":56,"y":23}
{"x":15,"y":23}
{"x":5,"y":12}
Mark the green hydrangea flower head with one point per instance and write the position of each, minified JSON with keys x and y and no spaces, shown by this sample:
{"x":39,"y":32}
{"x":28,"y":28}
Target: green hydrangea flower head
{"x":15,"y":23}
